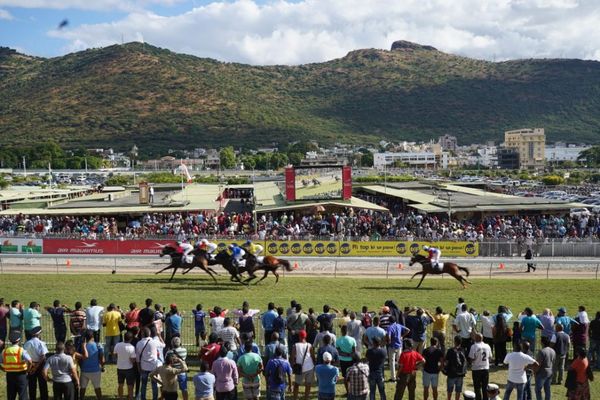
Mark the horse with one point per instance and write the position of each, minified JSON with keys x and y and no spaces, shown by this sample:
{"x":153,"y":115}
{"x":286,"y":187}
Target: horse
{"x":449,"y":268}
{"x":176,"y":263}
{"x":224,"y":259}
{"x":269,"y":264}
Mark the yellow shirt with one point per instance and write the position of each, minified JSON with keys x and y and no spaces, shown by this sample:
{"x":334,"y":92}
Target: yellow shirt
{"x":111,"y":321}
{"x":439,"y":322}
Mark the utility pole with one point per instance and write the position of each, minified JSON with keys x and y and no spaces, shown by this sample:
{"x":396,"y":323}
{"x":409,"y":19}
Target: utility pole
{"x":24,"y":167}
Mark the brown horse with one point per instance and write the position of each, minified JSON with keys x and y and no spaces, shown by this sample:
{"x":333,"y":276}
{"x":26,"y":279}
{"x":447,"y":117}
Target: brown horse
{"x":269,"y":264}
{"x":198,"y":260}
{"x":449,"y":268}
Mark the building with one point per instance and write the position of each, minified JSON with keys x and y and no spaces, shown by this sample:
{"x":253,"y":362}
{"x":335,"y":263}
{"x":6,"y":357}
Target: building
{"x":425,"y":159}
{"x":448,"y":143}
{"x":508,"y":158}
{"x":561,"y":151}
{"x":531,"y":145}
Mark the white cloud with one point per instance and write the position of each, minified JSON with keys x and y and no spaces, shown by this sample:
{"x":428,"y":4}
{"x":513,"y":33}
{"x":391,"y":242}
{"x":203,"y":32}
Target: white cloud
{"x":285,"y":32}
{"x":5,"y":15}
{"x":95,"y":5}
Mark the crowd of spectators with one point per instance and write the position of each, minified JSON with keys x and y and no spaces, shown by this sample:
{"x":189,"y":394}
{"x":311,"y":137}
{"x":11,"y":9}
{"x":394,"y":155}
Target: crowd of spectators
{"x":147,"y":346}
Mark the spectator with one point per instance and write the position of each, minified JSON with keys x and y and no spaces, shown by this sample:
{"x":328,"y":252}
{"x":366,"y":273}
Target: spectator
{"x":199,"y":324}
{"x":563,"y":319}
{"x":455,"y":368}
{"x":249,"y":368}
{"x":327,"y":376}
{"x":112,"y":331}
{"x":276,"y":371}
{"x":70,"y":350}
{"x":226,"y":375}
{"x":560,"y":342}
{"x":326,"y":319}
{"x":270,"y":347}
{"x":346,"y":347}
{"x":579,"y":334}
{"x":487,"y":325}
{"x":204,"y":383}
{"x":38,"y":351}
{"x":132,"y":317}
{"x":434,"y":361}
{"x":357,"y":381}
{"x":246,"y":324}
{"x":580,"y":388}
{"x":64,"y":373}
{"x":180,"y":354}
{"x":296,"y":322}
{"x":374,"y":332}
{"x":280,"y":325}
{"x":327,"y":347}
{"x":418,"y":327}
{"x":546,"y":357}
{"x":92,"y":365}
{"x":57,"y":312}
{"x":594,"y":354}
{"x":355,"y":330}
{"x":395,"y":338}
{"x":31,"y":319}
{"x":15,"y":362}
{"x":409,"y":361}
{"x":320,"y":339}
{"x":480,"y":355}
{"x":267,"y":320}
{"x":440,"y":319}
{"x":216,"y":321}
{"x":529,"y":324}
{"x":168,"y":374}
{"x":376,"y":356}
{"x":146,"y":315}
{"x":77,"y":325}
{"x":146,"y":351}
{"x":303,"y":357}
{"x":4,"y":310}
{"x":172,"y":324}
{"x":15,"y":316}
{"x":547,"y":320}
{"x":93,"y":315}
{"x":126,"y":365}
{"x":229,"y":335}
{"x":464,"y":323}
{"x":518,"y":362}
{"x":209,"y":352}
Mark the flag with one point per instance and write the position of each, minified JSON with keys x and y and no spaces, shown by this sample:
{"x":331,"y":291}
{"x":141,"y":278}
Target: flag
{"x":183,"y":169}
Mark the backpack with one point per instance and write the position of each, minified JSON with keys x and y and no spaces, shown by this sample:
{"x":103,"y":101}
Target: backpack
{"x":457,"y":363}
{"x":278,"y":375}
{"x":367,"y":321}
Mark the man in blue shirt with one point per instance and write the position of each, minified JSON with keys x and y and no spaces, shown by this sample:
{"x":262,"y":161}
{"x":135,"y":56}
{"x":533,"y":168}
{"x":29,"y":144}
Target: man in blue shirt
{"x":327,"y":376}
{"x":395,"y":335}
{"x":529,"y":323}
{"x":279,"y":376}
{"x":173,"y":324}
{"x":92,"y":365}
{"x":199,"y":327}
{"x":327,"y":347}
{"x":267,"y":321}
{"x":563,"y":319}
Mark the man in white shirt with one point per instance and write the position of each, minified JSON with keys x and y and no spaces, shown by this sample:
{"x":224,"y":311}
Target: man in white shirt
{"x":146,"y":352}
{"x":126,"y":359}
{"x":518,"y":362}
{"x":463,"y":324}
{"x":229,"y":335}
{"x":93,"y":316}
{"x":480,"y":355}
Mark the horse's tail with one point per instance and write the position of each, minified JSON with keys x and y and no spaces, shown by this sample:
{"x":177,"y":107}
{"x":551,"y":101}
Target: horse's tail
{"x":465,"y":269}
{"x":286,"y":264}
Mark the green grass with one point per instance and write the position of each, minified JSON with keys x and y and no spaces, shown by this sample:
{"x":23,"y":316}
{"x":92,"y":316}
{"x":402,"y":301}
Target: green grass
{"x":311,"y":292}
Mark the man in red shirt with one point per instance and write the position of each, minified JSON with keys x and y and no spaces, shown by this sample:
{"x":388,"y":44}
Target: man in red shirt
{"x":408,"y":363}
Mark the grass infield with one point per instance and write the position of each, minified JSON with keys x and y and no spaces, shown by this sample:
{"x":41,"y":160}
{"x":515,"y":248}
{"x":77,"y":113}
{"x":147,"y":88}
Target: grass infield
{"x":352,"y":293}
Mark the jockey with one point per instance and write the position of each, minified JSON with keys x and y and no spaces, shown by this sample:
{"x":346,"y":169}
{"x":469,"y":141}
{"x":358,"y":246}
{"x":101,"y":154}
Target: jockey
{"x":184,"y":249}
{"x":254,"y":249}
{"x":434,"y":256}
{"x":237,"y":255}
{"x":207,"y":246}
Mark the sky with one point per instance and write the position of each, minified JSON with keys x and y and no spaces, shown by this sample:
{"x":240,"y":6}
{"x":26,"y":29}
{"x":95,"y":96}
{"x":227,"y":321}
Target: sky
{"x":267,"y":32}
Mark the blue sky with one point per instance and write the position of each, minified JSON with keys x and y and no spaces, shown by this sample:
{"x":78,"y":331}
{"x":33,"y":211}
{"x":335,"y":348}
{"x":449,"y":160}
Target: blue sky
{"x":301,"y":31}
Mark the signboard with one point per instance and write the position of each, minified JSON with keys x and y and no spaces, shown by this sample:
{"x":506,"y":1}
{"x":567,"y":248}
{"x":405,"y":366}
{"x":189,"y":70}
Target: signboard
{"x":21,"y":245}
{"x":290,"y":184}
{"x":104,"y":247}
{"x":346,"y":182}
{"x":144,"y":193}
{"x":302,"y":248}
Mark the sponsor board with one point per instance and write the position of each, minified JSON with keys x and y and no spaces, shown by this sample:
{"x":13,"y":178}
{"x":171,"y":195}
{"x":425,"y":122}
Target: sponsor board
{"x":104,"y":247}
{"x":21,"y":245}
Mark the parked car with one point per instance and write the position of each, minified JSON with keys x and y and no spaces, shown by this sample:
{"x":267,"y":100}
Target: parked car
{"x":579,"y":212}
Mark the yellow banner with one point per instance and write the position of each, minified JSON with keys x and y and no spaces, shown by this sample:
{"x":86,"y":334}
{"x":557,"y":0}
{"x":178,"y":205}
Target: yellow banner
{"x":366,"y":249}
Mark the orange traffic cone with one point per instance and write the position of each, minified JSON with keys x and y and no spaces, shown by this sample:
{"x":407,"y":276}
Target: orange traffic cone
{"x":296,"y":265}
{"x":501,"y":266}
{"x":68,"y":263}
{"x":400,"y":266}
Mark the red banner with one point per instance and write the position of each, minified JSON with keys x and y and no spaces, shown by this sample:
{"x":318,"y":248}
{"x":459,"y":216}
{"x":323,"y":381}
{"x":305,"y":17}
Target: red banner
{"x":104,"y":247}
{"x":346,"y":182}
{"x":290,"y":184}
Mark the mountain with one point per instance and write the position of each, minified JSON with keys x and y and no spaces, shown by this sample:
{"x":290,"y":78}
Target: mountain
{"x":134,"y":93}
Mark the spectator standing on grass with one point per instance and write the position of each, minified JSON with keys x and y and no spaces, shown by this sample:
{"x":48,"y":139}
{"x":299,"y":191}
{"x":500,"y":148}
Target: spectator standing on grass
{"x":92,"y":365}
{"x":518,"y":362}
{"x":464,"y":324}
{"x":210,"y":351}
{"x":439,"y":327}
{"x":357,"y":380}
{"x":168,"y":373}
{"x":31,"y":319}
{"x":547,"y":320}
{"x":64,"y":373}
{"x":326,"y":319}
{"x":434,"y":361}
{"x":594,"y":353}
{"x":93,"y":315}
{"x":480,"y":355}
{"x":320,"y":339}
{"x":199,"y":324}
{"x":4,"y":310}
{"x":229,"y":335}
{"x":410,"y":360}
{"x":560,"y":342}
{"x":280,"y":325}
{"x":250,"y":367}
{"x":418,"y":327}
{"x":580,"y":388}
{"x":112,"y":331}
{"x":355,"y":330}
{"x":146,"y":351}
{"x":181,"y":355}
{"x":15,"y":361}
{"x":204,"y":383}
{"x":245,"y":322}
{"x":296,"y":322}
{"x":346,"y":347}
{"x":71,"y":350}
{"x":376,"y":356}
{"x":132,"y":317}
{"x":455,"y":368}
{"x":327,"y":376}
{"x":146,"y":315}
{"x":226,"y":376}
{"x":173,"y":322}
{"x":303,"y":355}
{"x":529,"y":324}
{"x":77,"y":325}
{"x":546,"y":357}
{"x":579,"y":334}
{"x":15,"y":316}
{"x":126,"y":365}
{"x":159,"y":319}
{"x":327,"y":347}
{"x":267,"y":319}
{"x":374,"y":332}
{"x":270,"y":347}
{"x":38,"y":351}
{"x":487,"y":325}
{"x":563,"y":319}
{"x":278,"y":372}
{"x":57,"y":312}
{"x":216,"y":320}
{"x":395,"y":339}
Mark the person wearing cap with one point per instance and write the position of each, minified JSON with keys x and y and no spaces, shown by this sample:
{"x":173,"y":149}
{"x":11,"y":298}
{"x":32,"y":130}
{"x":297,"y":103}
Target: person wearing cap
{"x":208,"y":247}
{"x":15,"y":361}
{"x":469,"y":395}
{"x":303,"y":356}
{"x":410,"y":360}
{"x":64,"y":372}
{"x":493,"y":392}
{"x":327,"y":376}
{"x":37,"y":349}
{"x":563,"y":319}
{"x":254,"y":249}
{"x":250,"y":366}
{"x":357,"y":379}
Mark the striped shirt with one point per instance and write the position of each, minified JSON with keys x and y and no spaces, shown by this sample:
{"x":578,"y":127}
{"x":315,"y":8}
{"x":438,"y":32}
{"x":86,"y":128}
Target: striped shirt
{"x":358,"y":379}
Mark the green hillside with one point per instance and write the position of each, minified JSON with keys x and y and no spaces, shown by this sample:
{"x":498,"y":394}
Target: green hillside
{"x":121,"y":95}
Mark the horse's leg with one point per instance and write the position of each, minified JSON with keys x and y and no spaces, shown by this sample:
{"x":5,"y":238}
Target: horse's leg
{"x":212,"y":270}
{"x":207,"y":270}
{"x":459,"y":278}
{"x":164,"y":269}
{"x":188,"y":270}
{"x":276,"y":276}
{"x":173,"y":274}
{"x":423,"y":277}
{"x":265,"y":275}
{"x":415,"y":274}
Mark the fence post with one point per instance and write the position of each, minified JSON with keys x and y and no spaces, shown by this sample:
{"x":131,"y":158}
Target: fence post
{"x":597,"y":267}
{"x":56,"y":259}
{"x":114,"y":271}
{"x":548,"y":271}
{"x":387,"y":271}
{"x":491,"y":266}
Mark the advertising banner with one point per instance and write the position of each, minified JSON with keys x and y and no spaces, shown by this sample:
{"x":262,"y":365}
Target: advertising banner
{"x":302,"y":248}
{"x":346,"y":182}
{"x":21,"y":245}
{"x":290,"y":184}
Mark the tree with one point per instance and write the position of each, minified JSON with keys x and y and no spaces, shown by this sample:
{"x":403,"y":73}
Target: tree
{"x":366,"y":160}
{"x":590,"y":156}
{"x":553,"y":180}
{"x":278,"y":160}
{"x":227,"y":156}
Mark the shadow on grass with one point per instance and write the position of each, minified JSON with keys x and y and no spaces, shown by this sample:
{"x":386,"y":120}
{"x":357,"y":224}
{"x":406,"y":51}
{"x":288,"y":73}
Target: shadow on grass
{"x":178,"y":282}
{"x":400,"y":288}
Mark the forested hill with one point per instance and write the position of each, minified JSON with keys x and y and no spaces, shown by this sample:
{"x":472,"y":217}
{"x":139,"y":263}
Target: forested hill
{"x":125,"y":94}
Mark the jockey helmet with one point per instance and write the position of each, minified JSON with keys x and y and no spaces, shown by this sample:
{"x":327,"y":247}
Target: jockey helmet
{"x":248,"y":242}
{"x":426,"y":248}
{"x":204,"y":241}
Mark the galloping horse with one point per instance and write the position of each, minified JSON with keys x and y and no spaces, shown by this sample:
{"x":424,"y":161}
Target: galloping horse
{"x":177,"y":263}
{"x":223,"y":258}
{"x":449,"y":268}
{"x":269,"y":264}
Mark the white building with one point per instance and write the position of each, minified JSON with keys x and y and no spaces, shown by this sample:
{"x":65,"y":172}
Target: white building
{"x":426,"y":159}
{"x":564,"y":152}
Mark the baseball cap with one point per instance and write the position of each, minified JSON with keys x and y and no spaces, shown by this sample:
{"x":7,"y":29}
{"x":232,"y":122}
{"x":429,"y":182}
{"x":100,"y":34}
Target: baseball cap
{"x":173,"y":305}
{"x":562,"y":309}
{"x":492,"y":387}
{"x":327,"y":356}
{"x":302,"y":334}
{"x":37,"y":330}
{"x":14,"y":336}
{"x":468,"y":395}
